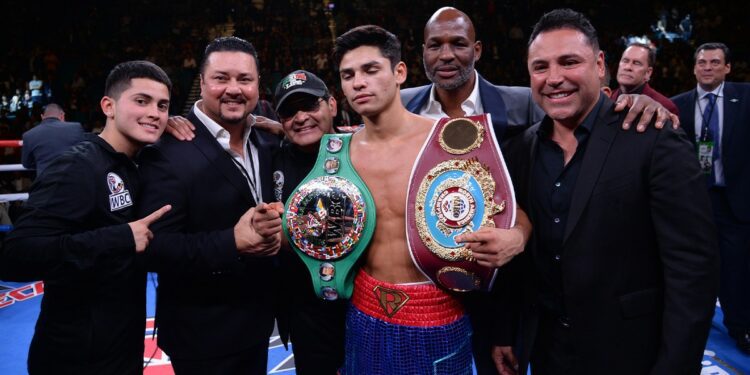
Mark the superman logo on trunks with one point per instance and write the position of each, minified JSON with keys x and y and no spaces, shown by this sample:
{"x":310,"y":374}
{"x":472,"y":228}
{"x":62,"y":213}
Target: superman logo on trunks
{"x":390,"y":300}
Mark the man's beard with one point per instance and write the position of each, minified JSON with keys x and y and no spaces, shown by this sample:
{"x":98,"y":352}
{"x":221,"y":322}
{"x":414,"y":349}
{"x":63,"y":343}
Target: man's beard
{"x":464,"y":75}
{"x":233,"y":120}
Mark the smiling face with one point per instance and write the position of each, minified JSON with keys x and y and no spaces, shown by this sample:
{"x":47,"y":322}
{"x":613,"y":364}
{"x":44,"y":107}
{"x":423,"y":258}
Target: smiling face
{"x":565,"y":73}
{"x":137,"y":117}
{"x":450,"y":50}
{"x":633,"y":70}
{"x":368,"y":81}
{"x":711,"y":68}
{"x":229,"y":87}
{"x":307,"y":118}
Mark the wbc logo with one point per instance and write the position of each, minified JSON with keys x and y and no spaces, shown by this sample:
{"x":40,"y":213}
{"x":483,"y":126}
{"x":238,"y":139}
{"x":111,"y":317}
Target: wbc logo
{"x":120,"y":197}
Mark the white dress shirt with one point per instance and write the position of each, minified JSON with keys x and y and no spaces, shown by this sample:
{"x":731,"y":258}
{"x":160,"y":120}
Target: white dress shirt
{"x":471,"y":106}
{"x":251,"y":166}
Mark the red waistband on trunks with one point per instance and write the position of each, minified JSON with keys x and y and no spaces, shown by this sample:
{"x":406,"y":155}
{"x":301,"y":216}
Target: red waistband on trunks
{"x":423,"y":305}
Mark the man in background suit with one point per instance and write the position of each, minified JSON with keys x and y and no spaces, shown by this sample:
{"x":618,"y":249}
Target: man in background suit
{"x":634,"y":71}
{"x":622,"y":266}
{"x":716,"y":105}
{"x":49,"y":139}
{"x":215,"y":252}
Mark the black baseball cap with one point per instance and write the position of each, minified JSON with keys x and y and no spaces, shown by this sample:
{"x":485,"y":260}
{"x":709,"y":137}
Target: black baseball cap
{"x":299,"y":81}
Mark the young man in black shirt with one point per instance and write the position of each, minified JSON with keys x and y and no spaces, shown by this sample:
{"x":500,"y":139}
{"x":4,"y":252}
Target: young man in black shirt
{"x":78,"y":232}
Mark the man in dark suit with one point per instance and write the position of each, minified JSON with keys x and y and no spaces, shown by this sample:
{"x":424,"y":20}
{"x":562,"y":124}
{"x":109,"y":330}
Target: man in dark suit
{"x":215,"y":252}
{"x":622,"y":266}
{"x":450,"y":51}
{"x":634,"y":71}
{"x":719,"y":106}
{"x":49,"y":139}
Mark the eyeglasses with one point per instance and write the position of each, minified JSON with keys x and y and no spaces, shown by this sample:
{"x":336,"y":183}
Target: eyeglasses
{"x":307,"y":105}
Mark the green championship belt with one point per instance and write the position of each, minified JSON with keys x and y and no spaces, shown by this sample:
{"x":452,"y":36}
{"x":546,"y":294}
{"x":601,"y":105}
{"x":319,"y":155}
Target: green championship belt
{"x":330,"y":218}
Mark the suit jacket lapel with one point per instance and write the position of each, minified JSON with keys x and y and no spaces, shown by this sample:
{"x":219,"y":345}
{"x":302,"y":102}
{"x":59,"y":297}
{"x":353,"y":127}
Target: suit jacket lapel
{"x":533,"y":146}
{"x":520,"y":156}
{"x":688,"y":116}
{"x":604,"y":132}
{"x":417,"y":102}
{"x":731,"y":109}
{"x":219,"y":159}
{"x":493,"y":104}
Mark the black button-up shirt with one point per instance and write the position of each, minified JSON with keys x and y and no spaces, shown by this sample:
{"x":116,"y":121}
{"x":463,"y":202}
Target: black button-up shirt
{"x":552,"y":191}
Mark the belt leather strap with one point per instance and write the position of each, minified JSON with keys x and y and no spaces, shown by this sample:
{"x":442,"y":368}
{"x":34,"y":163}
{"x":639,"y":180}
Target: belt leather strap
{"x":329,"y":219}
{"x":459,"y":183}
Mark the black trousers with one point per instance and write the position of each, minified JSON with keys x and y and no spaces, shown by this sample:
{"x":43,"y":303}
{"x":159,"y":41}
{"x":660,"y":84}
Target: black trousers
{"x":248,"y":362}
{"x":553,"y":352}
{"x":734,"y":248}
{"x":316,"y":329}
{"x":481,"y":345}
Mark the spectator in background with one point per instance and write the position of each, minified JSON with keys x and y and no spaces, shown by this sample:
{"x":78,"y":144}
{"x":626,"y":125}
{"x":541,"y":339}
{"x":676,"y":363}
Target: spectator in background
{"x":634,"y":72}
{"x":26,"y":102}
{"x":715,"y":116}
{"x":49,"y":139}
{"x":78,"y":84}
{"x":321,"y":61}
{"x":15,"y":102}
{"x":686,"y":27}
{"x":35,"y":88}
{"x":189,"y":62}
{"x":4,"y":105}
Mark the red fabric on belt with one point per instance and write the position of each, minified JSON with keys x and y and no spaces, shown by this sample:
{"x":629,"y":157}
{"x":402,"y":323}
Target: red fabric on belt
{"x":422,"y":305}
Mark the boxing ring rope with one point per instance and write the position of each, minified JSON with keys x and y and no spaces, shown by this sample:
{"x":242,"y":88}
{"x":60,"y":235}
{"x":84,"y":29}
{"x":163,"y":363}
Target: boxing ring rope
{"x":14,"y":197}
{"x":11,"y":143}
{"x":12,"y":168}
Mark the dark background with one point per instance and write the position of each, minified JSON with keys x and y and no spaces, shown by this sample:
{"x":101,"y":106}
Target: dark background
{"x":72,"y":45}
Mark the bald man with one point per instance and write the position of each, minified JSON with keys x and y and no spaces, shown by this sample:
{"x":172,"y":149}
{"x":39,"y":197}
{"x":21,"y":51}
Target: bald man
{"x":49,"y":139}
{"x":450,"y":51}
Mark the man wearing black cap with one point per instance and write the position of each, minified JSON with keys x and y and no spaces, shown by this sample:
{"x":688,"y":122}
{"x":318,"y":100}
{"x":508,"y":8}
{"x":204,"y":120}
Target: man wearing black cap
{"x":306,"y":111}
